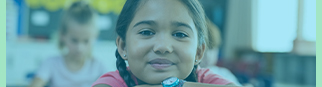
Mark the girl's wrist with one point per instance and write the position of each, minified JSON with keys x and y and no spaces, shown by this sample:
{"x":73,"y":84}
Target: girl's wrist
{"x":173,"y":82}
{"x":181,"y":82}
{"x":196,"y":84}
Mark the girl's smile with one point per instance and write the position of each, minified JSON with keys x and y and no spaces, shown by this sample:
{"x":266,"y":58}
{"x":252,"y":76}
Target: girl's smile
{"x":160,"y":63}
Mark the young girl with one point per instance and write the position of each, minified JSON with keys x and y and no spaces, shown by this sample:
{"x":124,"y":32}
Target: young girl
{"x":163,"y":42}
{"x":210,"y":57}
{"x":75,"y":67}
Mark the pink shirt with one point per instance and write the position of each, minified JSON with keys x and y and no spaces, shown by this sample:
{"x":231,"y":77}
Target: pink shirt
{"x":204,"y":76}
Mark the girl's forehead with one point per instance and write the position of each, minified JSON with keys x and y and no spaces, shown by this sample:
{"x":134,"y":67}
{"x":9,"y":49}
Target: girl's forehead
{"x":163,"y":11}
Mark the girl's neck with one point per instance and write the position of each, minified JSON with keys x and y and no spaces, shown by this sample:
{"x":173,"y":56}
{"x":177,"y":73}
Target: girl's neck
{"x":140,"y":82}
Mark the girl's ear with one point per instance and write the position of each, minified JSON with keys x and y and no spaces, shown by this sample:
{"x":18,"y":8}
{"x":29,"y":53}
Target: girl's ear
{"x":121,"y":47}
{"x":200,"y":51}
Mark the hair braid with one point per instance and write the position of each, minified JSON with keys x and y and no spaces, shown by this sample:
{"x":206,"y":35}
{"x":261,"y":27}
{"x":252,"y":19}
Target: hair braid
{"x":121,"y":67}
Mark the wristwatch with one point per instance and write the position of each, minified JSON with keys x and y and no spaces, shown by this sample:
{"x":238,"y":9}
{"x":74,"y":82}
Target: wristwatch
{"x":172,"y":82}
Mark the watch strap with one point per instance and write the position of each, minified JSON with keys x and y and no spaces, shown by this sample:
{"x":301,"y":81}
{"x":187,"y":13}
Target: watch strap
{"x":181,"y":82}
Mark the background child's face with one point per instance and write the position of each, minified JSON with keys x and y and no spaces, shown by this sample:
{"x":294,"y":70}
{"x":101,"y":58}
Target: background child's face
{"x":161,"y":29}
{"x":79,"y":38}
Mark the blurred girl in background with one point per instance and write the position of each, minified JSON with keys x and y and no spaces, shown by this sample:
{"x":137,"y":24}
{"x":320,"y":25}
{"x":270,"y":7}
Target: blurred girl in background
{"x":211,"y":54}
{"x":75,"y":67}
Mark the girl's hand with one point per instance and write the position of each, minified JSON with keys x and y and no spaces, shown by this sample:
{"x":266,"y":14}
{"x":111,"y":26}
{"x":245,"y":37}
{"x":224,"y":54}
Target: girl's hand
{"x":148,"y":86}
{"x":193,"y":84}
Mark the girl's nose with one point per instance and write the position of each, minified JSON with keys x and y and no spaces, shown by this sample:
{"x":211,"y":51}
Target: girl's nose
{"x":163,"y":45}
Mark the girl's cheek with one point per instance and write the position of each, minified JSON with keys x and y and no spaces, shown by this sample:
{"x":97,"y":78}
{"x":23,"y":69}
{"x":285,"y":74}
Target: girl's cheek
{"x":135,"y":46}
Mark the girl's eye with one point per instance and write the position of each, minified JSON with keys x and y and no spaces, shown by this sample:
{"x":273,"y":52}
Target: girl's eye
{"x":180,"y":35}
{"x":146,"y":33}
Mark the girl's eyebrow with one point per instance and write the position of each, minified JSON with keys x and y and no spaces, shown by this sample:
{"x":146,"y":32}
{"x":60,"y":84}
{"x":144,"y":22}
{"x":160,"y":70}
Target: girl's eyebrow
{"x":173,"y":23}
{"x":148,"y":22}
{"x":178,"y":24}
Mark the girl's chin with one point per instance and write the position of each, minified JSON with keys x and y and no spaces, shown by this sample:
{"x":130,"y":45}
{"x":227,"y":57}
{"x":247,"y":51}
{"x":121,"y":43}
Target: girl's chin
{"x":156,"y":79}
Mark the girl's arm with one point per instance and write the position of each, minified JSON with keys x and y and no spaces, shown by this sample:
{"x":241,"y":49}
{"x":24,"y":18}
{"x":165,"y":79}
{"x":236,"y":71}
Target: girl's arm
{"x":37,"y":82}
{"x":102,"y":85}
{"x":194,"y":84}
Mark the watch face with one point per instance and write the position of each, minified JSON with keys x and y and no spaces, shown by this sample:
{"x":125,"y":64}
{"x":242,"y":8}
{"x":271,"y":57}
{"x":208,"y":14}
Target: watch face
{"x":170,"y":81}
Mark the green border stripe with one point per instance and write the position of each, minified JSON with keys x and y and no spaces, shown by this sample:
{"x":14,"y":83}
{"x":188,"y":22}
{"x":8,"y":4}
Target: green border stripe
{"x":3,"y":43}
{"x":318,"y":43}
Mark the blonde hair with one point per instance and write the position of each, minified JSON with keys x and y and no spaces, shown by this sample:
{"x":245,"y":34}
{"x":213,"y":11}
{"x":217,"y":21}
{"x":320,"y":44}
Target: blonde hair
{"x":79,"y":12}
{"x":214,"y":38}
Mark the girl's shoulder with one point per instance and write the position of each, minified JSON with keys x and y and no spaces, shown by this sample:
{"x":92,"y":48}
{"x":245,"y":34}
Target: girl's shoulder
{"x":205,"y":75}
{"x":111,"y":78}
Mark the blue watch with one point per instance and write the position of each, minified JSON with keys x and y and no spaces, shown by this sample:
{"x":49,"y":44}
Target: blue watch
{"x":172,"y":82}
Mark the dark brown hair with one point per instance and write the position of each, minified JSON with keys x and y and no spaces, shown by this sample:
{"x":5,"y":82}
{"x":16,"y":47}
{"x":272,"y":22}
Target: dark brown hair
{"x":126,"y":16}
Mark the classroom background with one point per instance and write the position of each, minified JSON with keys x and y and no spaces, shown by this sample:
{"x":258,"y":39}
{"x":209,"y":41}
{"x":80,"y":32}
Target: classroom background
{"x":268,"y":43}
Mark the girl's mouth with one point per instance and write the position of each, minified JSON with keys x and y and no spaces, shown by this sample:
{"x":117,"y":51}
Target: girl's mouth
{"x":160,"y":63}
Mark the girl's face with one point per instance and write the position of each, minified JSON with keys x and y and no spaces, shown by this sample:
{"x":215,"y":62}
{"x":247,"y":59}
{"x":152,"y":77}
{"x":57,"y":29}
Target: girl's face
{"x":79,"y":38}
{"x":161,"y":41}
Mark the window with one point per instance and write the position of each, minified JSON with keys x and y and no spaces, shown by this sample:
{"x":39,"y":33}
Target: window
{"x":274,"y":25}
{"x":309,"y":20}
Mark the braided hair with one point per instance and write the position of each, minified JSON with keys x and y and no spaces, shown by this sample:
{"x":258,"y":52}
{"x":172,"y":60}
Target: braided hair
{"x":121,"y":66}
